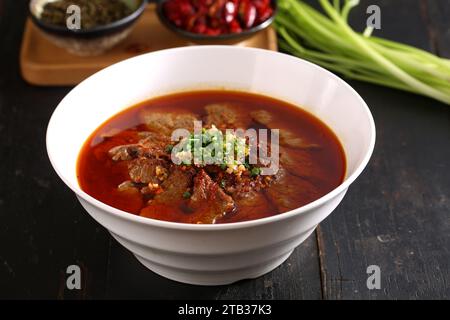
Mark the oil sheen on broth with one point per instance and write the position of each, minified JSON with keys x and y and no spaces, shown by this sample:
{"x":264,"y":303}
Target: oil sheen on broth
{"x":126,"y":163}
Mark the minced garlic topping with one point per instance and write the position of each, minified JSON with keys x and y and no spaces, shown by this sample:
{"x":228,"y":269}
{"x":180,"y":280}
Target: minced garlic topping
{"x":229,"y":151}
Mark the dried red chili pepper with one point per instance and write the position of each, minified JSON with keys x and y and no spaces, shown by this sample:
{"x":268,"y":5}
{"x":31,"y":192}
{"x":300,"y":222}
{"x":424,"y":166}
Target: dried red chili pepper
{"x":247,"y":13}
{"x":229,"y":11}
{"x":214,"y":17}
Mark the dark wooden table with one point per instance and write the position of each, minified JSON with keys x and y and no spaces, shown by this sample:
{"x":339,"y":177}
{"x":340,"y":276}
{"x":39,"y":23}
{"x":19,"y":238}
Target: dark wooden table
{"x":396,"y":216}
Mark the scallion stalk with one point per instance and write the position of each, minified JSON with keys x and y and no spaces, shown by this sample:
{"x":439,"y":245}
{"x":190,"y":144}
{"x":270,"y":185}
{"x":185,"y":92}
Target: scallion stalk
{"x":328,"y":40}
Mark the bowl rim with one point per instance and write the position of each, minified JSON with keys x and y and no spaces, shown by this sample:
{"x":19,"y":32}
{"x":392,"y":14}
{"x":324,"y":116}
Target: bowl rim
{"x":226,"y":226}
{"x":221,"y":37}
{"x":93,"y":32}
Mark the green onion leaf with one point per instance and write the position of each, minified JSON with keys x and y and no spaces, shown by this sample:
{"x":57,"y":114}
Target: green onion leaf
{"x":169,"y":148}
{"x":187,"y":195}
{"x":255,"y":172}
{"x":327,"y":40}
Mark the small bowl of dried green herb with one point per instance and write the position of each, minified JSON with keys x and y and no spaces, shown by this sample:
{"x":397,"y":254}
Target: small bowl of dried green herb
{"x":86,"y":27}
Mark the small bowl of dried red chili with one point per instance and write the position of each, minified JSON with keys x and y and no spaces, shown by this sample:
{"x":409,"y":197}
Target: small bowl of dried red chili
{"x":216,"y":20}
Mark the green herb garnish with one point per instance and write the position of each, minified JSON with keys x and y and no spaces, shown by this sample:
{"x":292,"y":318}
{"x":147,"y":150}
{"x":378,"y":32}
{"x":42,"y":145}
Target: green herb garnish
{"x":169,"y":148}
{"x":187,"y":195}
{"x":255,"y":172}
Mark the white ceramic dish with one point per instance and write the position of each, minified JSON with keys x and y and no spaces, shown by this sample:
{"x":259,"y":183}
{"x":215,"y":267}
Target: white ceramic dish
{"x":211,"y":254}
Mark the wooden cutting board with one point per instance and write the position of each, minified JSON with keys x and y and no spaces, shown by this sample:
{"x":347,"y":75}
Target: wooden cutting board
{"x":42,"y":63}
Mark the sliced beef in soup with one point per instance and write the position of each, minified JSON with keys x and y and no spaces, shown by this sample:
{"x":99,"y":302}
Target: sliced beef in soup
{"x":169,"y":204}
{"x":174,"y":187}
{"x":166,"y":123}
{"x":207,"y":204}
{"x":287,"y":137}
{"x":262,"y":116}
{"x":151,"y":145}
{"x":226,"y":116}
{"x":127,"y":163}
{"x":282,"y":192}
{"x":256,"y":204}
{"x":147,"y":170}
{"x":299,"y":163}
{"x":208,"y":200}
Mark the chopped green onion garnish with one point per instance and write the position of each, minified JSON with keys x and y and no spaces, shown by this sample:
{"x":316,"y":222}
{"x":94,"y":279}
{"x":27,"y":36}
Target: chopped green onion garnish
{"x":255,"y":172}
{"x":187,"y":195}
{"x":169,"y":148}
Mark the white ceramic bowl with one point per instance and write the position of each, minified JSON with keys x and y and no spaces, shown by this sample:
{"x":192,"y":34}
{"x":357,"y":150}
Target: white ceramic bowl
{"x":211,"y":254}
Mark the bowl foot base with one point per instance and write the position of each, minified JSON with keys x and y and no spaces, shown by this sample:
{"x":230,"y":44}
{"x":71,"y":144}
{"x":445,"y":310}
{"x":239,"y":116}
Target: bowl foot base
{"x":208,"y":278}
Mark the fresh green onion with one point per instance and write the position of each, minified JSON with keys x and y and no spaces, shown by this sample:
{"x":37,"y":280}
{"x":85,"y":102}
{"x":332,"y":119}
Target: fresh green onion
{"x":169,"y":148}
{"x":329,"y":41}
{"x":187,"y":195}
{"x":255,"y":172}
